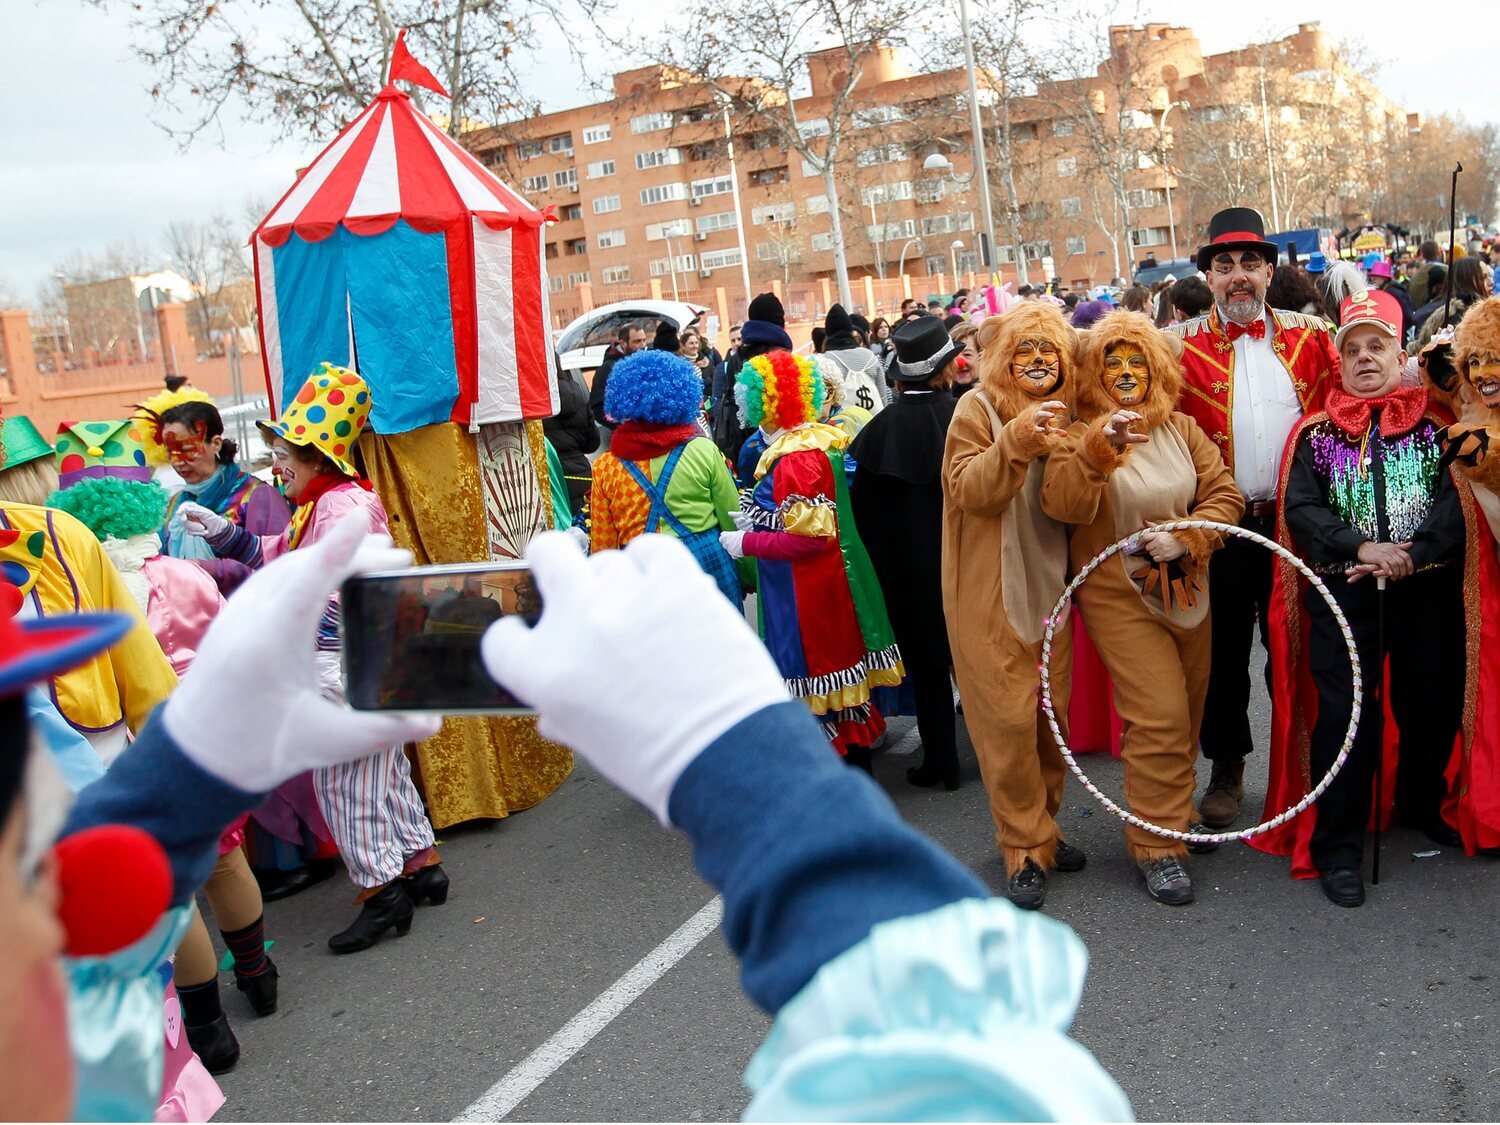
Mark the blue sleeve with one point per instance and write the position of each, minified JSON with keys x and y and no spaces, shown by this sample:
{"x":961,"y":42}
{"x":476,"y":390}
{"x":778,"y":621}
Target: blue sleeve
{"x":809,"y":854}
{"x":238,"y":545}
{"x":155,"y":787}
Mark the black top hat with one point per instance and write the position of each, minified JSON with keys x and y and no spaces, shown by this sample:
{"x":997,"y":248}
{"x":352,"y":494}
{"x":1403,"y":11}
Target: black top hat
{"x":923,"y":346}
{"x":1236,"y":228}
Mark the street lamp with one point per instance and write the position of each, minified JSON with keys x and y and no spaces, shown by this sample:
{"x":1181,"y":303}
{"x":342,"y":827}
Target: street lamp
{"x":953,"y":249}
{"x":1171,"y":218}
{"x":980,"y":167}
{"x":901,"y":267}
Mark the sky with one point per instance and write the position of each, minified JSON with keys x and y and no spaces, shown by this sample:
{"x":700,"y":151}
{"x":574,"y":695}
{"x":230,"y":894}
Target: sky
{"x":83,"y":164}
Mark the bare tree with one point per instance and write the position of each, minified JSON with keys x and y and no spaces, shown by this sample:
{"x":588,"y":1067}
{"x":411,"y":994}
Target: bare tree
{"x":757,"y":58}
{"x":305,"y":67}
{"x":211,"y":255}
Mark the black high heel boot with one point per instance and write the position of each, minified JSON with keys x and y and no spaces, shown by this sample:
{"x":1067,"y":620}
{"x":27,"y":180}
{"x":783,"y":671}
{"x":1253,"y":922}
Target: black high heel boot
{"x":429,"y":884}
{"x":208,"y":1030}
{"x":926,"y":776}
{"x":391,"y":907}
{"x":260,"y":989}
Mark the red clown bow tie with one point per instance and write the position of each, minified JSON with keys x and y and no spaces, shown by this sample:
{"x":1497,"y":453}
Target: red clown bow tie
{"x":1256,"y":330}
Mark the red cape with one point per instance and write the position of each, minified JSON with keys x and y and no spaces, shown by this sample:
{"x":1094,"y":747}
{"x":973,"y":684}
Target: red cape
{"x":1473,"y":773}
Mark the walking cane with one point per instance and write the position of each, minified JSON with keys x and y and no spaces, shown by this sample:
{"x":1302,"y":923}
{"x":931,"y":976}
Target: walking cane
{"x":1452,"y":238}
{"x":1380,"y":722}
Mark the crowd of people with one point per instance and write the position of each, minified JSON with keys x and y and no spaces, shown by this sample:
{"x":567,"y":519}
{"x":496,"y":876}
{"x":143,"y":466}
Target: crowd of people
{"x":907,"y":502}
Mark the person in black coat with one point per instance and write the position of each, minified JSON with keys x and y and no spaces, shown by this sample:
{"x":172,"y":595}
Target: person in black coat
{"x":897,"y":500}
{"x":574,"y":435}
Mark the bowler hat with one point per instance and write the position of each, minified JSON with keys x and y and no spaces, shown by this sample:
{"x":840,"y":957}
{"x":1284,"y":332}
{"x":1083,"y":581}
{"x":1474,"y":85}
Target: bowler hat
{"x":1236,"y":228}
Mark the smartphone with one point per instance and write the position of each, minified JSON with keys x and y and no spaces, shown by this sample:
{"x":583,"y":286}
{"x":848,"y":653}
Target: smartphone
{"x":410,"y":638}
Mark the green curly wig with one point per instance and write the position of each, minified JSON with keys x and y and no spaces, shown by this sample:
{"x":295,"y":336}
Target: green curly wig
{"x":113,"y":508}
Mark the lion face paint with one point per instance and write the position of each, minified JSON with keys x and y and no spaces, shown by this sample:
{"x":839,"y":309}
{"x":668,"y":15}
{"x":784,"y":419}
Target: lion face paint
{"x":1484,"y":376}
{"x":1037,"y":368}
{"x":1127,"y":376}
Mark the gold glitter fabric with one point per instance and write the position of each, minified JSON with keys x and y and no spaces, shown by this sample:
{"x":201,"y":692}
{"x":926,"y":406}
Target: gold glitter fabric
{"x":476,"y":768}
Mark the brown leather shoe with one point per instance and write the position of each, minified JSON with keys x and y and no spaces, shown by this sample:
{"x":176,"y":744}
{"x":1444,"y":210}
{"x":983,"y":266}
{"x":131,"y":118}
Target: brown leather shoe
{"x":1221,"y":801}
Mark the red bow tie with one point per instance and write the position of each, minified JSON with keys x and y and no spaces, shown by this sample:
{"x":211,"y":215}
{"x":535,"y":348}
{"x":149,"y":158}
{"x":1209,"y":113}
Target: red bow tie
{"x":1256,"y":330}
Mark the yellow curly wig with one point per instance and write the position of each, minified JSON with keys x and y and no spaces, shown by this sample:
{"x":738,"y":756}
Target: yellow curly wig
{"x":1162,"y":352}
{"x":998,"y":338}
{"x":149,"y":413}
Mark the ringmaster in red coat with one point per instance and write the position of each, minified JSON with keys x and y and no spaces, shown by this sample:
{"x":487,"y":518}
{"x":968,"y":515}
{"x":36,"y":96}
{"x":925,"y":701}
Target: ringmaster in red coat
{"x":1249,"y":374}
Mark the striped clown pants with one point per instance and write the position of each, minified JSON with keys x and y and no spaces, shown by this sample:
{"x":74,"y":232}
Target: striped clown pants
{"x":373,"y":810}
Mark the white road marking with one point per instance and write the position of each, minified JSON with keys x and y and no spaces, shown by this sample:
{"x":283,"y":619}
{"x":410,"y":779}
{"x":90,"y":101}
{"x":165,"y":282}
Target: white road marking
{"x":496,"y":1102}
{"x":908,"y":744}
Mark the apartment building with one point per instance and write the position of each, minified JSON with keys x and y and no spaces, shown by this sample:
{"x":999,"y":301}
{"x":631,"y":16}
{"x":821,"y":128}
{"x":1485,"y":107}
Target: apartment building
{"x":644,"y":188}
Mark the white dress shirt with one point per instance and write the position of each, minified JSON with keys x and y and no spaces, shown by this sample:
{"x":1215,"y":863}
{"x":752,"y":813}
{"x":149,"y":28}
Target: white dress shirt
{"x":1263,"y":413}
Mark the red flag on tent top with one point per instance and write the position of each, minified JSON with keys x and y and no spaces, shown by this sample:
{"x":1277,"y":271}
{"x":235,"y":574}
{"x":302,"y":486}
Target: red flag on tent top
{"x":404,"y":66}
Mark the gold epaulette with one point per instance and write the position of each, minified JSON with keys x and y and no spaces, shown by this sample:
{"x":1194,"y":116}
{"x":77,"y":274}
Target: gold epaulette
{"x":1186,"y":328}
{"x":1287,"y":319}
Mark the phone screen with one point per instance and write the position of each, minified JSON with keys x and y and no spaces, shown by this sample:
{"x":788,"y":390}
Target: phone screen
{"x":411,"y":637}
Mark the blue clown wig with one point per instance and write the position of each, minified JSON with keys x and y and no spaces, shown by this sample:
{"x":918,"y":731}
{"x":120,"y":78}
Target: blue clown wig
{"x":653,"y":386}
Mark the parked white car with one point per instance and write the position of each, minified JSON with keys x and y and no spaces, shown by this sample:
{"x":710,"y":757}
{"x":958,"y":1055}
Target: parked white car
{"x":582,"y":344}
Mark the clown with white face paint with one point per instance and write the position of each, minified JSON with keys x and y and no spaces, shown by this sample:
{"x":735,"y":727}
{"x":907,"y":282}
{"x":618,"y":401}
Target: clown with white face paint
{"x":1134,"y":461}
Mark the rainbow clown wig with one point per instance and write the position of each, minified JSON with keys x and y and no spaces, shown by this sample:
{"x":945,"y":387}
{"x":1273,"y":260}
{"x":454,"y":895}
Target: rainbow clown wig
{"x":778,"y":390}
{"x":653,"y":386}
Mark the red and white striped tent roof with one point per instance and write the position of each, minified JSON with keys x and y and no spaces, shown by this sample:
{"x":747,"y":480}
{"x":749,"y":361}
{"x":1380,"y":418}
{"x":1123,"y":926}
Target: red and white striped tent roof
{"x":391,"y":162}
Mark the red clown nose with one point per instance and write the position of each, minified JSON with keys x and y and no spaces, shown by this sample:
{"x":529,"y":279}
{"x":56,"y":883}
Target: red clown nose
{"x":116,"y":883}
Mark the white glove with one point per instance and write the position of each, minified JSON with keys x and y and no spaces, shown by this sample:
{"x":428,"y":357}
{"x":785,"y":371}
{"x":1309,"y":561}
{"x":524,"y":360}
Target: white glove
{"x":743,"y":521}
{"x":683,"y":666}
{"x":249,"y":711}
{"x":579,"y":537}
{"x":733,"y":542}
{"x":201,"y":522}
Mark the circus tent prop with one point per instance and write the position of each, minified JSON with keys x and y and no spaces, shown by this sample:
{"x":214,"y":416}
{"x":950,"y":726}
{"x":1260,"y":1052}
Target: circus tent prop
{"x":398,"y":253}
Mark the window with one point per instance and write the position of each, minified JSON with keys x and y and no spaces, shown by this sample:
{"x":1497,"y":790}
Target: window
{"x":601,"y":168}
{"x":718,"y":259}
{"x":576,"y":246}
{"x":613,"y":275}
{"x":1067,"y":166}
{"x":948,"y":224}
{"x":657,"y":158}
{"x":817,"y":204}
{"x":1072,"y":205}
{"x":672,"y":228}
{"x":563,"y":142}
{"x":822,"y":241}
{"x":968,"y":261}
{"x":774,"y":213}
{"x":1136,"y":119}
{"x":604,"y":204}
{"x":1077,"y":244}
{"x":1062,"y":127}
{"x":610,"y":238}
{"x":936,"y":264}
{"x":555,"y":284}
{"x":876,"y":115}
{"x":766,"y":177}
{"x":931,"y":191}
{"x":816,"y":127}
{"x":567,"y":178}
{"x":650,"y":122}
{"x":1005,"y":255}
{"x":889,"y":232}
{"x":551,"y":251}
{"x":535,"y":183}
{"x":706,"y":150}
{"x":571,"y":212}
{"x":1023,"y":131}
{"x":880,"y":154}
{"x":596,"y":134}
{"x":663,"y":193}
{"x":526,"y":150}
{"x":577,"y":279}
{"x":660,"y":267}
{"x":761,"y":140}
{"x":724,"y":220}
{"x":1147,"y":197}
{"x":714,"y":185}
{"x":1149,"y":236}
{"x":885,"y":193}
{"x":1035,"y":251}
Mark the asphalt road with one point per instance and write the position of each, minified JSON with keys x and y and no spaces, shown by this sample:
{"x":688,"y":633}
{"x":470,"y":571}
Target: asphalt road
{"x":1261,"y":1001}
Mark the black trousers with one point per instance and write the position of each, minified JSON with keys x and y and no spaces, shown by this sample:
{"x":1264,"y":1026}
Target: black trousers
{"x":1239,"y":591}
{"x":923,"y":638}
{"x":1424,"y":641}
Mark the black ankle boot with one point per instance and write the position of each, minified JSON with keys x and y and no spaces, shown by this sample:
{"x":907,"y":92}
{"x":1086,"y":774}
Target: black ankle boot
{"x":860,"y":758}
{"x":928,"y":775}
{"x":215,"y":1045}
{"x":391,"y":907}
{"x":430,"y":884}
{"x":260,"y":989}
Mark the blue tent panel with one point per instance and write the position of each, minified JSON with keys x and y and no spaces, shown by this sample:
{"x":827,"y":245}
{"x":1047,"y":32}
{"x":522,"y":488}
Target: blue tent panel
{"x":403,"y":324}
{"x":311,"y":309}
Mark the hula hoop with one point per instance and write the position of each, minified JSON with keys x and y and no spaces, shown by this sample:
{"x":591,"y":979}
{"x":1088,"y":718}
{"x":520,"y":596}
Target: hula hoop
{"x":1059,"y":612}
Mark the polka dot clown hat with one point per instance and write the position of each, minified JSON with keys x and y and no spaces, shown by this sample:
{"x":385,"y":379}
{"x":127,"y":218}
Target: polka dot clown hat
{"x":101,"y":449}
{"x":329,"y":413}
